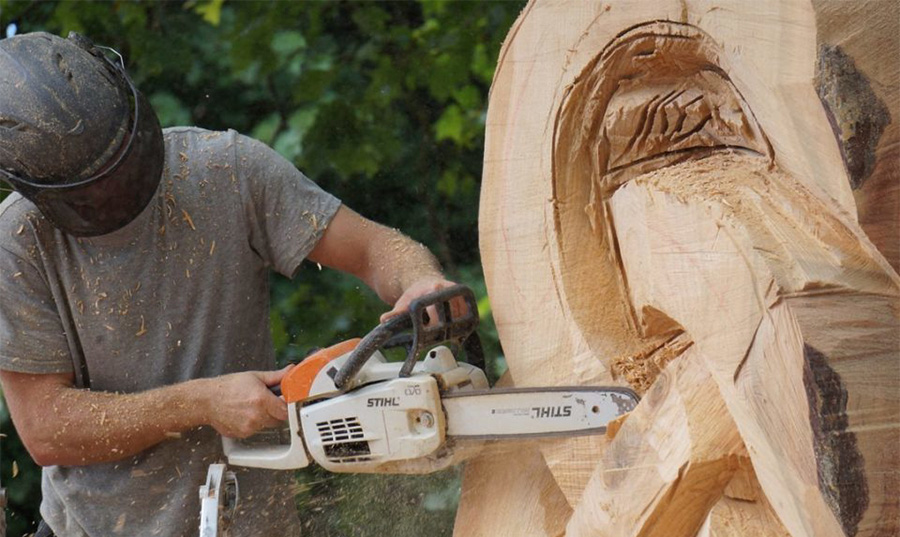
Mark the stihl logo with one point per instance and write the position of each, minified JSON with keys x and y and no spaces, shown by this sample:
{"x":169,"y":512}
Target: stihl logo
{"x":383,"y":401}
{"x":551,"y":411}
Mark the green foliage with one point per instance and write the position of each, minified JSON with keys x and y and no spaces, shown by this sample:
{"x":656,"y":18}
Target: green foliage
{"x":383,"y":104}
{"x":20,"y":477}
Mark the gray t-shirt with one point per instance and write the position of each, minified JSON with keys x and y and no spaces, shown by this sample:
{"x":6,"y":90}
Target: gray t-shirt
{"x":179,"y":293}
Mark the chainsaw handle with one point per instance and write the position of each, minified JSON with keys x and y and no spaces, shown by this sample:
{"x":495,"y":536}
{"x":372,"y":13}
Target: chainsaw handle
{"x":445,"y":328}
{"x":373,"y":341}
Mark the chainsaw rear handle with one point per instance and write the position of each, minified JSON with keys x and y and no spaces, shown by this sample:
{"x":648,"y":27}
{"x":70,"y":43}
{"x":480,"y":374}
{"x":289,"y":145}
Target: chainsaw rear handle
{"x":443,"y":329}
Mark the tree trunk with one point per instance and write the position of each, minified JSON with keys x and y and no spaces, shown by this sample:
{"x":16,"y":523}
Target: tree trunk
{"x":669,"y":202}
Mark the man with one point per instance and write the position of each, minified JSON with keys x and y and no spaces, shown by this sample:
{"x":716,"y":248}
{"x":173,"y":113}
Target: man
{"x":133,"y":270}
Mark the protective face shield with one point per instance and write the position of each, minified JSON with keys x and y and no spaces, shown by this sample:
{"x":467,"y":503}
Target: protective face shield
{"x":110,"y":147}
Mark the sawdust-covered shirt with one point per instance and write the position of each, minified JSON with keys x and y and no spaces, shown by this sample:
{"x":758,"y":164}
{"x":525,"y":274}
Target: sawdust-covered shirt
{"x":179,"y":293}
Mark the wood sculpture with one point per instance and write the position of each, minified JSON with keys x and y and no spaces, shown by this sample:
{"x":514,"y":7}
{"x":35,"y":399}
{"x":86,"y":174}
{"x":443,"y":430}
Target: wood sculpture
{"x":669,"y":202}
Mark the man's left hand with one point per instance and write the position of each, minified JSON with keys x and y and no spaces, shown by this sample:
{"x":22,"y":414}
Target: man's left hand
{"x":421,"y":288}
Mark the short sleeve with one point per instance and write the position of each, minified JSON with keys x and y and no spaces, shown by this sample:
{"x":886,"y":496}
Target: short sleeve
{"x":32,"y":339}
{"x":286,"y":212}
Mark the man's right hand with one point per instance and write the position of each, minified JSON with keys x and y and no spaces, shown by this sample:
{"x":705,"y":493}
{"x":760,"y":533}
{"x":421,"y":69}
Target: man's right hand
{"x":241,"y":404}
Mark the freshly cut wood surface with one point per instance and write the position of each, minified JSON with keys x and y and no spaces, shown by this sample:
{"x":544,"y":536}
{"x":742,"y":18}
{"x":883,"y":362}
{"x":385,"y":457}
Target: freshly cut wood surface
{"x":737,"y":518}
{"x":670,"y":462}
{"x":661,"y":180}
{"x":789,"y":399}
{"x":490,"y":481}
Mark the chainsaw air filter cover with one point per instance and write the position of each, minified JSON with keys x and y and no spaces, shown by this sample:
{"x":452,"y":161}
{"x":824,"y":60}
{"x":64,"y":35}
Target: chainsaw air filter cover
{"x":397,"y":420}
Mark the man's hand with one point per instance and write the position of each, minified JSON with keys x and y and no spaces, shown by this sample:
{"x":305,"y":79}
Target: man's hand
{"x":421,"y":288}
{"x":242,"y":404}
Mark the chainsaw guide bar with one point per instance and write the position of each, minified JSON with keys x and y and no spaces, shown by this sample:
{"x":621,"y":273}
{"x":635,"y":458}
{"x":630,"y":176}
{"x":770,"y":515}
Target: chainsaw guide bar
{"x":520,"y":413}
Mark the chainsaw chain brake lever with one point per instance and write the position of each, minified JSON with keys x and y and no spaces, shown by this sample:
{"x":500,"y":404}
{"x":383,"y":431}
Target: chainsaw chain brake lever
{"x":425,"y":332}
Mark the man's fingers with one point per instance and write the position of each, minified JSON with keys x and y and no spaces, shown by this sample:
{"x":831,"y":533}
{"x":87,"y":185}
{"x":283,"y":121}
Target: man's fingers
{"x":273,"y":378}
{"x":274,"y":406}
{"x":458,"y":306}
{"x":399,"y":308}
{"x":432,"y":315}
{"x":387,"y":315}
{"x":277,"y":409}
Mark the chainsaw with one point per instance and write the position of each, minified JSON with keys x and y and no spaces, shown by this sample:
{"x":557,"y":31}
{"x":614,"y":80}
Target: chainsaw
{"x":352,"y":410}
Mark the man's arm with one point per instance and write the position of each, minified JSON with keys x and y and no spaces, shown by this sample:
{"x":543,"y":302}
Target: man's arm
{"x":396,"y":267}
{"x":62,"y":425}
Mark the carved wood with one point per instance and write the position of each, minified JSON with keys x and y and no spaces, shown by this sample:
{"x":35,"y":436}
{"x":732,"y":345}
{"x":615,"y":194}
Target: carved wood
{"x":670,"y":191}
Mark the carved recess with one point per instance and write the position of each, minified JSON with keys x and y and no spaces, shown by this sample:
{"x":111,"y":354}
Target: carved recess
{"x":657,"y":95}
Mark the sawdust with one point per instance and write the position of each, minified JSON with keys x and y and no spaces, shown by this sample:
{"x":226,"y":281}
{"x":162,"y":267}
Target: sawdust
{"x":187,"y":218}
{"x":143,"y":329}
{"x":642,"y":369}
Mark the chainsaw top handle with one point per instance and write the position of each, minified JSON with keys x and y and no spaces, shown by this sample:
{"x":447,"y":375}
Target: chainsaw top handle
{"x":424,"y":333}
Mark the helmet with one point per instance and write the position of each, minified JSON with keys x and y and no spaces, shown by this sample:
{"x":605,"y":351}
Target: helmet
{"x":76,"y":137}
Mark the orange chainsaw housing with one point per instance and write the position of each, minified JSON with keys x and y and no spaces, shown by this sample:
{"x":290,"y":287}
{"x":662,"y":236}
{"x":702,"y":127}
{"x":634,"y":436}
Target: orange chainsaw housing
{"x":297,"y":382}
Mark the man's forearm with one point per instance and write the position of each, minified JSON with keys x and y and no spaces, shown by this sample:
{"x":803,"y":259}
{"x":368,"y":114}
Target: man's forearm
{"x":62,"y":425}
{"x":385,"y":259}
{"x":398,"y":262}
{"x":85,"y":427}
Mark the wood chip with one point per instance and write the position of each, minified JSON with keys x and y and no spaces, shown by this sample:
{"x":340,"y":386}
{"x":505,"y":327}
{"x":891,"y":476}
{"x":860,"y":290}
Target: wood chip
{"x":120,"y":524}
{"x":143,"y":329}
{"x":187,"y":218}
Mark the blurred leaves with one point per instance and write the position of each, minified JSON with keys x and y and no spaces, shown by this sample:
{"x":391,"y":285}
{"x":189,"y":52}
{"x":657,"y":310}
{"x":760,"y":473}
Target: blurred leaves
{"x":210,"y":10}
{"x":381,"y":103}
{"x":21,"y":478}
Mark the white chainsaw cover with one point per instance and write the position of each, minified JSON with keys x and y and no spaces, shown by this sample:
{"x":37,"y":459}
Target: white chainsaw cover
{"x":396,"y":420}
